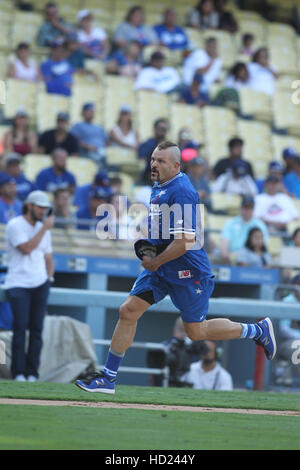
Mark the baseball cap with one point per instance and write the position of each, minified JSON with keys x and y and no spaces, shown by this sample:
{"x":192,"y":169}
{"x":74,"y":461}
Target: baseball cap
{"x":39,"y":198}
{"x":12,"y":157}
{"x":289,"y":152}
{"x":63,"y":116}
{"x":197,"y":161}
{"x":125,"y":108}
{"x":21,"y":113}
{"x":101,"y":192}
{"x":83,"y":14}
{"x":87,"y":106}
{"x":102,"y":179}
{"x":247,"y":200}
{"x":275,"y":166}
{"x":6,"y":178}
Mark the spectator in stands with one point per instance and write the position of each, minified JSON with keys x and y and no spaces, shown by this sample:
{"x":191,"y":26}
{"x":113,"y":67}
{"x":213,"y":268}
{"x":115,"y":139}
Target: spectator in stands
{"x":235,"y":180}
{"x":185,"y":140}
{"x":203,"y":16}
{"x":126,"y":61}
{"x":235,"y":147}
{"x":123,"y":134}
{"x":53,"y":28}
{"x":235,"y":232}
{"x":247,"y":48}
{"x":62,"y":208}
{"x":254,"y":253}
{"x":296,"y":237}
{"x":291,"y":181}
{"x":208,"y":374}
{"x":145,"y":150}
{"x":192,"y":94}
{"x":237,"y":77}
{"x":56,"y":176}
{"x":157,"y":76}
{"x":57,"y":72}
{"x":93,"y":39}
{"x":101,"y":180}
{"x":23,"y":67}
{"x":10,"y":205}
{"x":205,"y":63}
{"x":97,"y":196}
{"x":227,"y":22}
{"x":74,"y":54}
{"x":197,"y":169}
{"x":92,"y":137}
{"x":169,"y":33}
{"x":20,"y":138}
{"x":262,"y":75}
{"x":59,"y":137}
{"x":134,"y":29}
{"x":275,"y":208}
{"x":12,"y":166}
{"x":274,"y":168}
{"x":289,"y":156}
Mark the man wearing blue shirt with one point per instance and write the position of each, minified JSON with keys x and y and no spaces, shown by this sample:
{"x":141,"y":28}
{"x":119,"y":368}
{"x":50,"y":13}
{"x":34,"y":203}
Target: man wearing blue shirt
{"x":82,"y":193}
{"x":57,"y":71}
{"x":56,"y":176}
{"x":92,"y":137}
{"x":291,"y":180}
{"x":10,"y":206}
{"x":13,"y":168}
{"x":169,"y":33}
{"x":181,"y":270}
{"x":88,"y":214}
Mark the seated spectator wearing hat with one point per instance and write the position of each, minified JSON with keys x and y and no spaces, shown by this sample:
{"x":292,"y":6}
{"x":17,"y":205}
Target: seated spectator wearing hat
{"x":59,"y":137}
{"x":289,"y":156}
{"x":169,"y":33}
{"x":123,"y":134}
{"x":127,"y":61}
{"x":10,"y":205}
{"x":275,"y":168}
{"x":56,"y":71}
{"x":62,"y":208}
{"x":23,"y":67}
{"x":20,"y":138}
{"x":157,"y":76}
{"x":81,"y":197}
{"x":92,"y":138}
{"x":196,"y":170}
{"x":53,"y":27}
{"x":192,"y":94}
{"x":145,"y":150}
{"x":235,"y":147}
{"x":56,"y":176}
{"x":134,"y":29}
{"x":235,"y":232}
{"x":93,"y":40}
{"x":12,"y":166}
{"x":291,"y":181}
{"x":236,"y":180}
{"x":276,"y":209}
{"x":97,"y":196}
{"x":254,"y":254}
{"x":205,"y":63}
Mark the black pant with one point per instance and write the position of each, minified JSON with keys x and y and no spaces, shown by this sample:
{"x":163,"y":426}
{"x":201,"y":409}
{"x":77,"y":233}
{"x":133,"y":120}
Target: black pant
{"x":28,"y":309}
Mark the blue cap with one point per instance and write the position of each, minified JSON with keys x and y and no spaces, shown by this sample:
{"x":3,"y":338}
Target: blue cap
{"x":6,"y":178}
{"x":102,"y":179}
{"x":289,"y":152}
{"x":87,"y":106}
{"x":275,"y":166}
{"x":101,"y":192}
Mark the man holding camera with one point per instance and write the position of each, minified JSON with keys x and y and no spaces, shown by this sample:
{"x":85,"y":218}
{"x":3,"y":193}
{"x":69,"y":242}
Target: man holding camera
{"x":30,"y":270}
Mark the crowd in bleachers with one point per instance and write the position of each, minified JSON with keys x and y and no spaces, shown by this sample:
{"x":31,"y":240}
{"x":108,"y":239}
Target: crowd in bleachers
{"x":121,"y":90}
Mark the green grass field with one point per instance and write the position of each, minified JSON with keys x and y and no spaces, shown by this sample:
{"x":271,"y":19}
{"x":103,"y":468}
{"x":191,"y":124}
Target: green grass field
{"x":65,"y":427}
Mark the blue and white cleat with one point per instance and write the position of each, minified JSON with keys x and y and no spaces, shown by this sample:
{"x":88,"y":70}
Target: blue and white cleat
{"x":267,"y":339}
{"x":97,"y":382}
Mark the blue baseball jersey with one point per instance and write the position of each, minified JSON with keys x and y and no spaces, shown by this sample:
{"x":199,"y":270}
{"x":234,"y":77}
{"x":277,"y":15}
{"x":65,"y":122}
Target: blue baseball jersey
{"x":175,"y":209}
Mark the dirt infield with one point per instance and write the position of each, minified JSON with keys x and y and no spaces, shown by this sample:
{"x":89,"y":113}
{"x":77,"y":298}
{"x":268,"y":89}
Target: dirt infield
{"x":195,"y":409}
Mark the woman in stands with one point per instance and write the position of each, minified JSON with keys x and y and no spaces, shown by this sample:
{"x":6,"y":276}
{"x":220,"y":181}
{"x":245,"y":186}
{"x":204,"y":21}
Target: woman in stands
{"x":238,"y":76}
{"x":262,"y":75}
{"x":20,"y":138}
{"x":23,"y":67}
{"x":203,"y":16}
{"x":93,"y":40}
{"x":254,"y":253}
{"x":122,"y":133}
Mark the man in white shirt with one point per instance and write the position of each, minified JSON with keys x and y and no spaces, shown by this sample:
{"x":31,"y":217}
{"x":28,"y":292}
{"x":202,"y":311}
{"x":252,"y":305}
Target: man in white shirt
{"x":30,"y":270}
{"x":204,"y":62}
{"x":157,"y":77}
{"x":276,"y":209}
{"x":208,"y":374}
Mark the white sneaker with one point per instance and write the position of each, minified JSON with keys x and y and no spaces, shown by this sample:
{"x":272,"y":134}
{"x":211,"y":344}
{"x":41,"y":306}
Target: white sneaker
{"x":20,"y":378}
{"x":31,"y":378}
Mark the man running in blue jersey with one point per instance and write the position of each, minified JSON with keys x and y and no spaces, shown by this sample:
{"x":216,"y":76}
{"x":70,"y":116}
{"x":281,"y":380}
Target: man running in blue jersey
{"x":180,"y":270}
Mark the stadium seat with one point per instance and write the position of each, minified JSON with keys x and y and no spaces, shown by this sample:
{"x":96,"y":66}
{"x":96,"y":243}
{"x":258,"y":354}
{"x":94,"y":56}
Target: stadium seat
{"x":33,"y":163}
{"x":227,"y":203}
{"x":255,"y":104}
{"x":286,"y":113}
{"x":81,"y":94}
{"x":280,"y":142}
{"x":20,"y":94}
{"x":195,"y":37}
{"x":119,"y":156}
{"x":150,"y":106}
{"x":83,"y":169}
{"x":118,"y":91}
{"x":48,"y":106}
{"x":186,"y":115}
{"x":274,"y":246}
{"x":252,"y":26}
{"x":216,"y":222}
{"x":257,"y":144}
